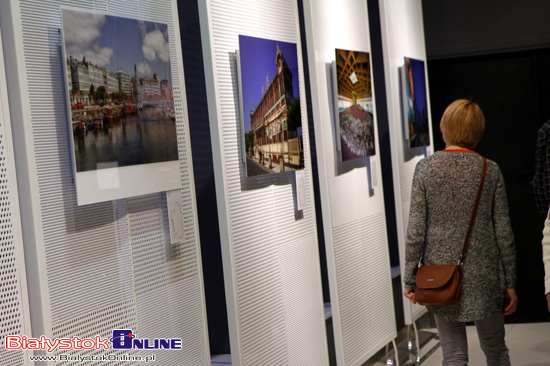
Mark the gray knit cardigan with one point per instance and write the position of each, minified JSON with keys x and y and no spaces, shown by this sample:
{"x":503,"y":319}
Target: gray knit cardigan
{"x":443,"y":194}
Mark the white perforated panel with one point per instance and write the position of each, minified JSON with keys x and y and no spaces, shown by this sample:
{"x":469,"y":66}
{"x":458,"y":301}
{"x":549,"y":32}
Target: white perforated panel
{"x":402,"y":35}
{"x":94,"y":323}
{"x":270,"y":253}
{"x":361,"y":256}
{"x":14,"y":315}
{"x":107,"y":265}
{"x":353,"y":206}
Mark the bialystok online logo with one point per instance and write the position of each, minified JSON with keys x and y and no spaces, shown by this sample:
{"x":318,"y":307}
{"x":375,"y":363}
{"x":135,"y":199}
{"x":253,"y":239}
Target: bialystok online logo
{"x":123,"y":339}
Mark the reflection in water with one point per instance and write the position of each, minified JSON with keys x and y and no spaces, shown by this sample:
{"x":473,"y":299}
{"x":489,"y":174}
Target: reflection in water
{"x":142,"y":138}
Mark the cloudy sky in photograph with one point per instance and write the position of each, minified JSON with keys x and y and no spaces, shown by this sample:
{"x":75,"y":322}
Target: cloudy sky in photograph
{"x":117,"y":43}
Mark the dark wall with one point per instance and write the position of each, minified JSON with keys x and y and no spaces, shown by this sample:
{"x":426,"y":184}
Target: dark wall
{"x":497,"y":53}
{"x":471,"y":27}
{"x":382,"y":124}
{"x":513,"y":90}
{"x":314,"y":163}
{"x":203,"y":168}
{"x":377,"y":54}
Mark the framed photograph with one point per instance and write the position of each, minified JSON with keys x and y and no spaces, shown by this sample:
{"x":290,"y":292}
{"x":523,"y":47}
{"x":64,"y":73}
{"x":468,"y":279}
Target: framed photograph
{"x":270,"y":96}
{"x":122,"y":118}
{"x":354,"y":105}
{"x":415,"y":102}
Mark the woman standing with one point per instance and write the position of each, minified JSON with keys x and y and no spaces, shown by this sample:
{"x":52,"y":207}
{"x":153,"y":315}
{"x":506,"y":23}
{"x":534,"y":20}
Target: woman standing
{"x":443,"y":194}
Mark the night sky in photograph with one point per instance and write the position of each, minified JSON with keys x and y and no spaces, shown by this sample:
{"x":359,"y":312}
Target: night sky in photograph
{"x":419,"y":82}
{"x":258,"y":59}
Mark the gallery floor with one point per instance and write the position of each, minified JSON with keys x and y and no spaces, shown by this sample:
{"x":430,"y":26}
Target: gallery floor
{"x":529,"y":345}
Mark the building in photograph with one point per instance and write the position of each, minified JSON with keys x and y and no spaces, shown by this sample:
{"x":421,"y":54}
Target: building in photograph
{"x":80,"y":81}
{"x":81,"y":75}
{"x":68,"y":76}
{"x":95,"y":74}
{"x":112,"y":83}
{"x":124,"y":83}
{"x":276,"y":139}
{"x":165,"y":89}
{"x":148,"y":88}
{"x":152,"y":93}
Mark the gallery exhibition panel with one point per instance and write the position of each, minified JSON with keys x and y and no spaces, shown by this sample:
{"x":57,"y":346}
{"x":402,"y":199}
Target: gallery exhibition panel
{"x":109,"y":264}
{"x":15,"y":317}
{"x":100,"y":207}
{"x":350,"y":178}
{"x":260,"y":143}
{"x":403,"y":39}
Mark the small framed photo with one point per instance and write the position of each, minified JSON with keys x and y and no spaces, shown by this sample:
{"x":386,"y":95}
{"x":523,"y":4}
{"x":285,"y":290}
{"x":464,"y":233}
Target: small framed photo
{"x":415,"y":102}
{"x":271,"y":106}
{"x":354,"y":105}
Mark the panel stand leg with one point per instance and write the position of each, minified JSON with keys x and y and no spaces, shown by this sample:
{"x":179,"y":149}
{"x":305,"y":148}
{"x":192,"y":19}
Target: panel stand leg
{"x":392,"y":358}
{"x":413,"y":344}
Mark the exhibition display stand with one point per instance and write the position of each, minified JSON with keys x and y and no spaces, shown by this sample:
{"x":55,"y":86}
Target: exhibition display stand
{"x":352,"y":196}
{"x":15,"y":316}
{"x":403,"y":36}
{"x":267,"y":221}
{"x":112,"y":264}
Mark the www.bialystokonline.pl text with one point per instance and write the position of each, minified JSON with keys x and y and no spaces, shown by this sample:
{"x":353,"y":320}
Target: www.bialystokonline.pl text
{"x":96,"y":358}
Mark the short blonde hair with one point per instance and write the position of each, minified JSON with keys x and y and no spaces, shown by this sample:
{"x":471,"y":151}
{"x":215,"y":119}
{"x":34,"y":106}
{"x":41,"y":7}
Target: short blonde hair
{"x":462,"y":124}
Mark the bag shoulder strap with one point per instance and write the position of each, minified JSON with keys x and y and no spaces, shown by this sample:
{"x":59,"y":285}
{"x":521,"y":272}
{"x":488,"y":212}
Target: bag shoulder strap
{"x":474,"y":212}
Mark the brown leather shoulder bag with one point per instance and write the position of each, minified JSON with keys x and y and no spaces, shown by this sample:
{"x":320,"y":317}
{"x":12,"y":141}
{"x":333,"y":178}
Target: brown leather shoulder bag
{"x":441,"y":284}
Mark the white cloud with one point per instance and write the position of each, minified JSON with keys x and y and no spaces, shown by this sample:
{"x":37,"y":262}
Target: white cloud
{"x":80,"y":32}
{"x":155,"y":46}
{"x":101,"y":56}
{"x":142,"y":28}
{"x":81,"y":29}
{"x":144,"y":69}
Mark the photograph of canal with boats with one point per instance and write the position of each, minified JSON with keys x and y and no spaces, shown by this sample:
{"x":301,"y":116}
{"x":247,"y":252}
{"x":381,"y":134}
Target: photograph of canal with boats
{"x":119,"y":87}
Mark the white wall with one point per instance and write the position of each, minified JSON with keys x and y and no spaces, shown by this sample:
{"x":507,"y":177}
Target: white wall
{"x":402,"y":36}
{"x":351,"y":194}
{"x":109,"y":265}
{"x":269,"y":250}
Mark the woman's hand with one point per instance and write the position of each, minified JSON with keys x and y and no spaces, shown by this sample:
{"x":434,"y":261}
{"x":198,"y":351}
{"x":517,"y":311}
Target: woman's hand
{"x":409,"y":294}
{"x":548,"y":300}
{"x":513,"y":305}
